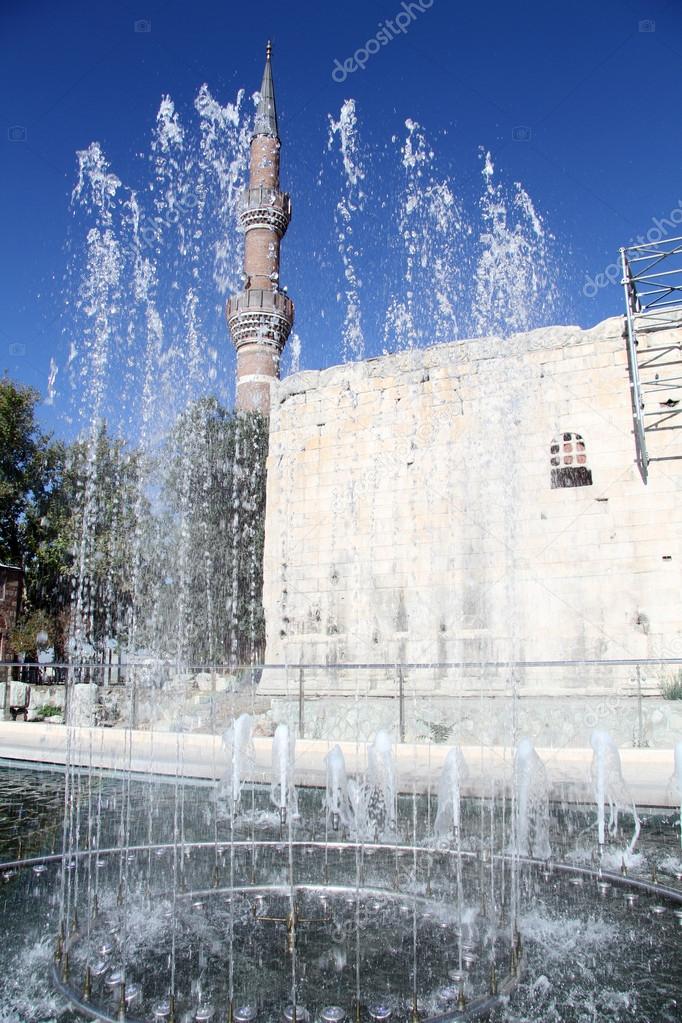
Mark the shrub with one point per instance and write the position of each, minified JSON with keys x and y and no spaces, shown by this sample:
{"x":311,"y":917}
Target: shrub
{"x":439,"y":733}
{"x":48,"y":711}
{"x":672,"y":687}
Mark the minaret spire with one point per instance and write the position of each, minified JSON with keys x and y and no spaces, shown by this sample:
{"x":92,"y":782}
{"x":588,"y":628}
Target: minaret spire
{"x":261,"y":316}
{"x":266,"y":115}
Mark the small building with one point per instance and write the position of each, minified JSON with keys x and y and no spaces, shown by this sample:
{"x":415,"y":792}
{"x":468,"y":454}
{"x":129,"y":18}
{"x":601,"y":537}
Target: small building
{"x":11,"y":591}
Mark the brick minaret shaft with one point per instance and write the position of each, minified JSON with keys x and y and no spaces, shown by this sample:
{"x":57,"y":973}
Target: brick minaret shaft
{"x":260,"y":318}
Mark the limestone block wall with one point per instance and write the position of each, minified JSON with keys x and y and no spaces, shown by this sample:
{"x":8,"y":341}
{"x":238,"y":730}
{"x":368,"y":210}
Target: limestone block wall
{"x":411,"y":518}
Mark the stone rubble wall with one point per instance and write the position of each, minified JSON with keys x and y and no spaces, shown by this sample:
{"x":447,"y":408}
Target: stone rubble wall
{"x":207,"y":705}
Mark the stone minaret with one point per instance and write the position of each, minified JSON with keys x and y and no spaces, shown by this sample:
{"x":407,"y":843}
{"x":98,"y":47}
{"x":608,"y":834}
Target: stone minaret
{"x":261,"y":316}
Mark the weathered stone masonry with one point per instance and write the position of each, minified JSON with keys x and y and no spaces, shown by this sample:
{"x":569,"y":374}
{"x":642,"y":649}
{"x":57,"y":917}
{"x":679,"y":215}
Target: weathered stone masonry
{"x":411,"y":514}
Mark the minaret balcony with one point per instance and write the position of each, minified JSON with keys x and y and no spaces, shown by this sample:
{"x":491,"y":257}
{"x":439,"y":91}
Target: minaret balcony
{"x":265,"y":207}
{"x":262,"y":316}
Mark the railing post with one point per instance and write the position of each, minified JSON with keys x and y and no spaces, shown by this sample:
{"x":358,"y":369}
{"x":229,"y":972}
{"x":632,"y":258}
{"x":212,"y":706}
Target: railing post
{"x":401,"y":702}
{"x":301,"y":717}
{"x":67,"y":695}
{"x":640,"y":715}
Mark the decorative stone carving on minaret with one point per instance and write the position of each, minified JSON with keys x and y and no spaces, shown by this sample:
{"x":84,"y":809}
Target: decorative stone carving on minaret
{"x":260,"y":318}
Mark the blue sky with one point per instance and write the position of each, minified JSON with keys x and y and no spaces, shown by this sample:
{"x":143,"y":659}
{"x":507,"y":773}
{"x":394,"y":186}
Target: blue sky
{"x":594,"y":88}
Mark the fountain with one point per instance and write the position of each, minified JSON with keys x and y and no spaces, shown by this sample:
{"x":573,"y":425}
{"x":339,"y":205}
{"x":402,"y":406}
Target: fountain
{"x":239,"y":746}
{"x":286,"y":915}
{"x":283,"y":791}
{"x":381,"y":784}
{"x":219,"y":866}
{"x":532,"y":802}
{"x":450,"y":794}
{"x":337,"y":805}
{"x":610,"y":787}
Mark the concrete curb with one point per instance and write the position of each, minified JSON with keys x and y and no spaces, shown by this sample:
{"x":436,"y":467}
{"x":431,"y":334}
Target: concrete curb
{"x":648,"y":773}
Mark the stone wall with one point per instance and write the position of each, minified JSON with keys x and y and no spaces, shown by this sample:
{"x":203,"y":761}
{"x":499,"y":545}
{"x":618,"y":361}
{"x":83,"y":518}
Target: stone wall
{"x":411,"y":517}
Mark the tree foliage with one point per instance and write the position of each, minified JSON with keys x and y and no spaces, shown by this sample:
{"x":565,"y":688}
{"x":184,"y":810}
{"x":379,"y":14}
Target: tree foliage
{"x":211,"y":535}
{"x":106,"y":513}
{"x":29,"y":465}
{"x":162,"y":554}
{"x":34,"y":631}
{"x":32,"y":515}
{"x":68,"y":514}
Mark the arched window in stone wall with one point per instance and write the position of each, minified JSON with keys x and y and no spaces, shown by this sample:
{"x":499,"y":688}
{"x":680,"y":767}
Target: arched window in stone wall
{"x":568,"y":459}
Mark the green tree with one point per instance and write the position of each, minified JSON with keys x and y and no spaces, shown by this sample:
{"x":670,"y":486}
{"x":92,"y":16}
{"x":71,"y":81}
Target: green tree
{"x":31,"y":534}
{"x":99,"y":519}
{"x":211,"y":533}
{"x":29,"y":461}
{"x":75,"y":533}
{"x":184,"y":580}
{"x":35,"y":630}
{"x":47,"y":537}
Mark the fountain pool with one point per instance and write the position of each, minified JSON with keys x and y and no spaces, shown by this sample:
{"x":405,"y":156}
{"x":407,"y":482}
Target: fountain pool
{"x":170,"y":899}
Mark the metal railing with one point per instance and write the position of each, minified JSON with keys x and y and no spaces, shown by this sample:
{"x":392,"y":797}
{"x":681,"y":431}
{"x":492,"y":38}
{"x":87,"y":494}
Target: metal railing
{"x":397,"y":692}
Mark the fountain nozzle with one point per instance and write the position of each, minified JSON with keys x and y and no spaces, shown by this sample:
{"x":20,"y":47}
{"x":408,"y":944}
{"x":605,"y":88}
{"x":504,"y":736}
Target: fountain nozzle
{"x":282,"y":815}
{"x":336,"y":820}
{"x":87,"y":985}
{"x":122,"y":1001}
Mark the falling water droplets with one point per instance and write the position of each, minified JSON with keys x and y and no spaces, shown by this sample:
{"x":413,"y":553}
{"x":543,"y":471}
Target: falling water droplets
{"x":424,"y":308}
{"x":349,"y":210}
{"x":151,"y":262}
{"x":514,"y":289}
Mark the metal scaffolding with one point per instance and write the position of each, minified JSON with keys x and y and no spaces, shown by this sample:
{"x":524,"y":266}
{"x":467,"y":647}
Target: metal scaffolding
{"x":652,"y":281}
